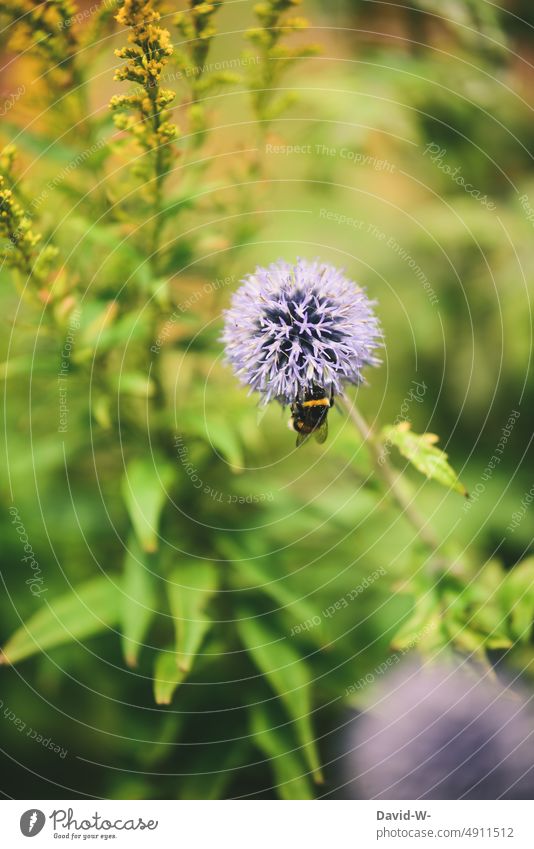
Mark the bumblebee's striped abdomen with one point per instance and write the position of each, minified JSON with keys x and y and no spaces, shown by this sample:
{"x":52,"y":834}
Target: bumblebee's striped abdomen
{"x":316,"y":402}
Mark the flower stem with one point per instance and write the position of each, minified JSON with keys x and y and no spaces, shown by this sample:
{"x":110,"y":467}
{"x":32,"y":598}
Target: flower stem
{"x":437,"y":564}
{"x":392,"y":480}
{"x":158,"y":181}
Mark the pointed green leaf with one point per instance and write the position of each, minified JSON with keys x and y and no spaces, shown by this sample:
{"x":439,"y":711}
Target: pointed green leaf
{"x":225,"y":439}
{"x":299,"y":610}
{"x":84,"y":611}
{"x":190,"y":587}
{"x":422,"y":453}
{"x":273,"y":739}
{"x":167,"y":676}
{"x":287,"y":674}
{"x":138,"y":602}
{"x":144,"y":490}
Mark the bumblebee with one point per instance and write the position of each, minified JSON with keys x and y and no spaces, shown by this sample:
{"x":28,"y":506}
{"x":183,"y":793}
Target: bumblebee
{"x":309,"y":414}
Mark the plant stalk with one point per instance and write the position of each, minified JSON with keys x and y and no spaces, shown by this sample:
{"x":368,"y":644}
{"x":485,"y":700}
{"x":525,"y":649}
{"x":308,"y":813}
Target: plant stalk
{"x":384,"y":469}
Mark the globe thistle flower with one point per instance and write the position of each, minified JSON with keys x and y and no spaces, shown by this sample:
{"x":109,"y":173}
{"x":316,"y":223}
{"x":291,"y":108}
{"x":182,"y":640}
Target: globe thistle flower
{"x":440,"y":733}
{"x":293,"y":327}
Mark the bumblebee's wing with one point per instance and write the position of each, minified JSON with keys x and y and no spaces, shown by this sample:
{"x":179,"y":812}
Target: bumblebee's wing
{"x":302,"y":437}
{"x":321,"y":432}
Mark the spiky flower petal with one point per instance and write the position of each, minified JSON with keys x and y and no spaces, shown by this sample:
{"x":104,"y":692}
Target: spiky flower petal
{"x":293,"y":326}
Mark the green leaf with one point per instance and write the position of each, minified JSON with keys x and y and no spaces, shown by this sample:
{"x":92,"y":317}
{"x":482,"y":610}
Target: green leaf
{"x":422,"y":453}
{"x":421,"y":626}
{"x":272,"y":738}
{"x":122,"y":331}
{"x":466,"y":639}
{"x":498,"y":641}
{"x":96,"y":318}
{"x":28,"y":365}
{"x":40,"y":145}
{"x":288,"y":675}
{"x":167,"y":676}
{"x":101,"y":411}
{"x":299,"y":610}
{"x":221,"y":436}
{"x":190,"y":587}
{"x":144,"y":490}
{"x":138,"y":603}
{"x":517,"y":597}
{"x":490,"y":621}
{"x":135,"y":383}
{"x":224,"y":438}
{"x":82,"y":612}
{"x":180,"y":202}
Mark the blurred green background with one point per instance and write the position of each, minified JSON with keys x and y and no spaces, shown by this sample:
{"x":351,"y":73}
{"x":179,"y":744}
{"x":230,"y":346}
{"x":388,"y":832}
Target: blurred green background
{"x":358,"y":172}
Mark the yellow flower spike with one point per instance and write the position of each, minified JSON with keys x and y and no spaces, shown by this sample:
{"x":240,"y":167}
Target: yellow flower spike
{"x":146,"y":55}
{"x":20,"y":242}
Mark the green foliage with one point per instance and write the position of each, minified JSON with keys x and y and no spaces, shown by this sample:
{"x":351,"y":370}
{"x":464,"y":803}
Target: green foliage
{"x":212,"y":595}
{"x":421,"y":451}
{"x":274,"y":56}
{"x":86,"y":610}
{"x":46,"y":27}
{"x":516,"y":596}
{"x":196,"y":26}
{"x":289,"y":677}
{"x":138,"y":601}
{"x":190,"y":587}
{"x":167,"y":676}
{"x":21,"y":251}
{"x":272,"y":737}
{"x":145,"y":488}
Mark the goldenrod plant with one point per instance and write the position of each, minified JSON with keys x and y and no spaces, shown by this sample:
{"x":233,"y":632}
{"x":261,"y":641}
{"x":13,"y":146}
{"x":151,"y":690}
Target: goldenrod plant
{"x":144,"y":113}
{"x":197,"y":27}
{"x":235,"y":321}
{"x":276,"y":21}
{"x":46,"y":28}
{"x":22,"y":250}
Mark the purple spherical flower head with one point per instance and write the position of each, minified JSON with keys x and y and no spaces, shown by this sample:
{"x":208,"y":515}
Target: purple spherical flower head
{"x":294,"y":326}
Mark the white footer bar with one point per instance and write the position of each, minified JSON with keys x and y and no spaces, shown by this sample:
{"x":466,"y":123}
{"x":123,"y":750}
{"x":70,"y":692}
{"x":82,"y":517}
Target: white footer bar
{"x":267,"y":824}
